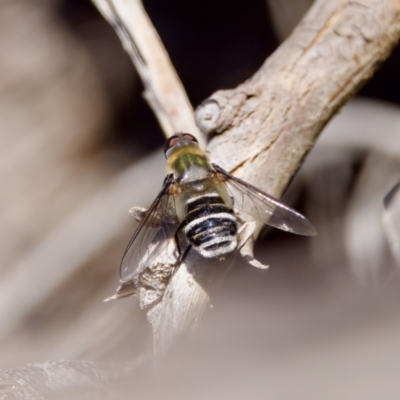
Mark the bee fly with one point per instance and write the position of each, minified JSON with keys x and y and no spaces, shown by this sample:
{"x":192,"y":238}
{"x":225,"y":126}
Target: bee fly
{"x":197,"y":202}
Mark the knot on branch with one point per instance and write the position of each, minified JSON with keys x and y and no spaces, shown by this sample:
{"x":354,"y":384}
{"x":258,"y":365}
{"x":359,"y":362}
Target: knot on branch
{"x":216,"y":114}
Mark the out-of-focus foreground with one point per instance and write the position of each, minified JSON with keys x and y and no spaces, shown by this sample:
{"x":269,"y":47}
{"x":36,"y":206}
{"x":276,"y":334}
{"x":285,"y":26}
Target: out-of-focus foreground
{"x":76,"y":139}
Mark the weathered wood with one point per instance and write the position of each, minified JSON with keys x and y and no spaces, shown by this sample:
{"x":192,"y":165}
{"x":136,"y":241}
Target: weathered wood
{"x":268,"y":124}
{"x":164,"y":91}
{"x":271,"y":121}
{"x":265,"y":127}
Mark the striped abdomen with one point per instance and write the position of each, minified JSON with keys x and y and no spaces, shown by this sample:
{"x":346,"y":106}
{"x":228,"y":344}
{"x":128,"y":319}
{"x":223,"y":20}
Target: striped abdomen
{"x":210,"y":225}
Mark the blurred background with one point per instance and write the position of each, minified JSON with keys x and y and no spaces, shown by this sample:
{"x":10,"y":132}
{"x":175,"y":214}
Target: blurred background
{"x":78,"y":145}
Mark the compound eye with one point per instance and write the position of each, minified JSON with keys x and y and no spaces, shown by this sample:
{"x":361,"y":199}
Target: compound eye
{"x":188,"y":136}
{"x":172,"y":141}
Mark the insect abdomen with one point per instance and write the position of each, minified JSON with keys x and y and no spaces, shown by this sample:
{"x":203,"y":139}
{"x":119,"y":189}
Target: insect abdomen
{"x":210,"y":226}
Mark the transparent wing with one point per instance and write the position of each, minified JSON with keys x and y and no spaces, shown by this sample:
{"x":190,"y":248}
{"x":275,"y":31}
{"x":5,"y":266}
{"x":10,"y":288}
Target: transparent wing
{"x":152,"y":236}
{"x":264,"y":207}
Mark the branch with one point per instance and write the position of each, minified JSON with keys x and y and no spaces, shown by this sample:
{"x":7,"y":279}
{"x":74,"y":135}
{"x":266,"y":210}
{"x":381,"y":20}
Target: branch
{"x":271,"y":121}
{"x":163,"y":90}
{"x":268,"y":124}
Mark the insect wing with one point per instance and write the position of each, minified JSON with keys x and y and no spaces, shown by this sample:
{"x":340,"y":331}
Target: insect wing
{"x":264,"y":207}
{"x":152,"y":236}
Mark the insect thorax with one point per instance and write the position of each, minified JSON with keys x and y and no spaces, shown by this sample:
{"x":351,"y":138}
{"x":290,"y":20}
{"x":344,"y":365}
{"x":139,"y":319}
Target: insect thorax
{"x":188,"y":163}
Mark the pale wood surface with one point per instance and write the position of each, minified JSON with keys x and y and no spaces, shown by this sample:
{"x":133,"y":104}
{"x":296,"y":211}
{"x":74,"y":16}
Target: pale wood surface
{"x":64,"y":230}
{"x":164,"y":91}
{"x":268,"y":124}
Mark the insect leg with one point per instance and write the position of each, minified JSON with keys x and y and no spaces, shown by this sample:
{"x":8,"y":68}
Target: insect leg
{"x":176,"y":237}
{"x":182,"y":257}
{"x":179,"y":261}
{"x":178,"y":246}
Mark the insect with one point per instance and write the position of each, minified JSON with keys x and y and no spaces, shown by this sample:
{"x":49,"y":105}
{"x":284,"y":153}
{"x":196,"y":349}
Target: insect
{"x":196,"y":209}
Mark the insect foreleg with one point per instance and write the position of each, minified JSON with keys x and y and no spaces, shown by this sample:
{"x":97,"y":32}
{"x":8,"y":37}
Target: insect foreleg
{"x":182,"y":256}
{"x":177,"y":242}
{"x":178,"y":246}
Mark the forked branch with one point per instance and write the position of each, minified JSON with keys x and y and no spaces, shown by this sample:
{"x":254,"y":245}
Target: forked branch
{"x":268,"y":124}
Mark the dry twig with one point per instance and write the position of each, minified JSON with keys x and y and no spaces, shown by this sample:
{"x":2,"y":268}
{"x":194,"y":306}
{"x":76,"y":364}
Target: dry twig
{"x":163,"y":89}
{"x":268,"y":124}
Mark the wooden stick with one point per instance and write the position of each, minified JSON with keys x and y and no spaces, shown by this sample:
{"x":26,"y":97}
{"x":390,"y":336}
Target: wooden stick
{"x":164,"y":91}
{"x":268,"y":124}
{"x":265,"y":127}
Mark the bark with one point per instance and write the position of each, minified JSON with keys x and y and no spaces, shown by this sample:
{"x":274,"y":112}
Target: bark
{"x":268,"y":124}
{"x":271,"y":121}
{"x":164,"y":91}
